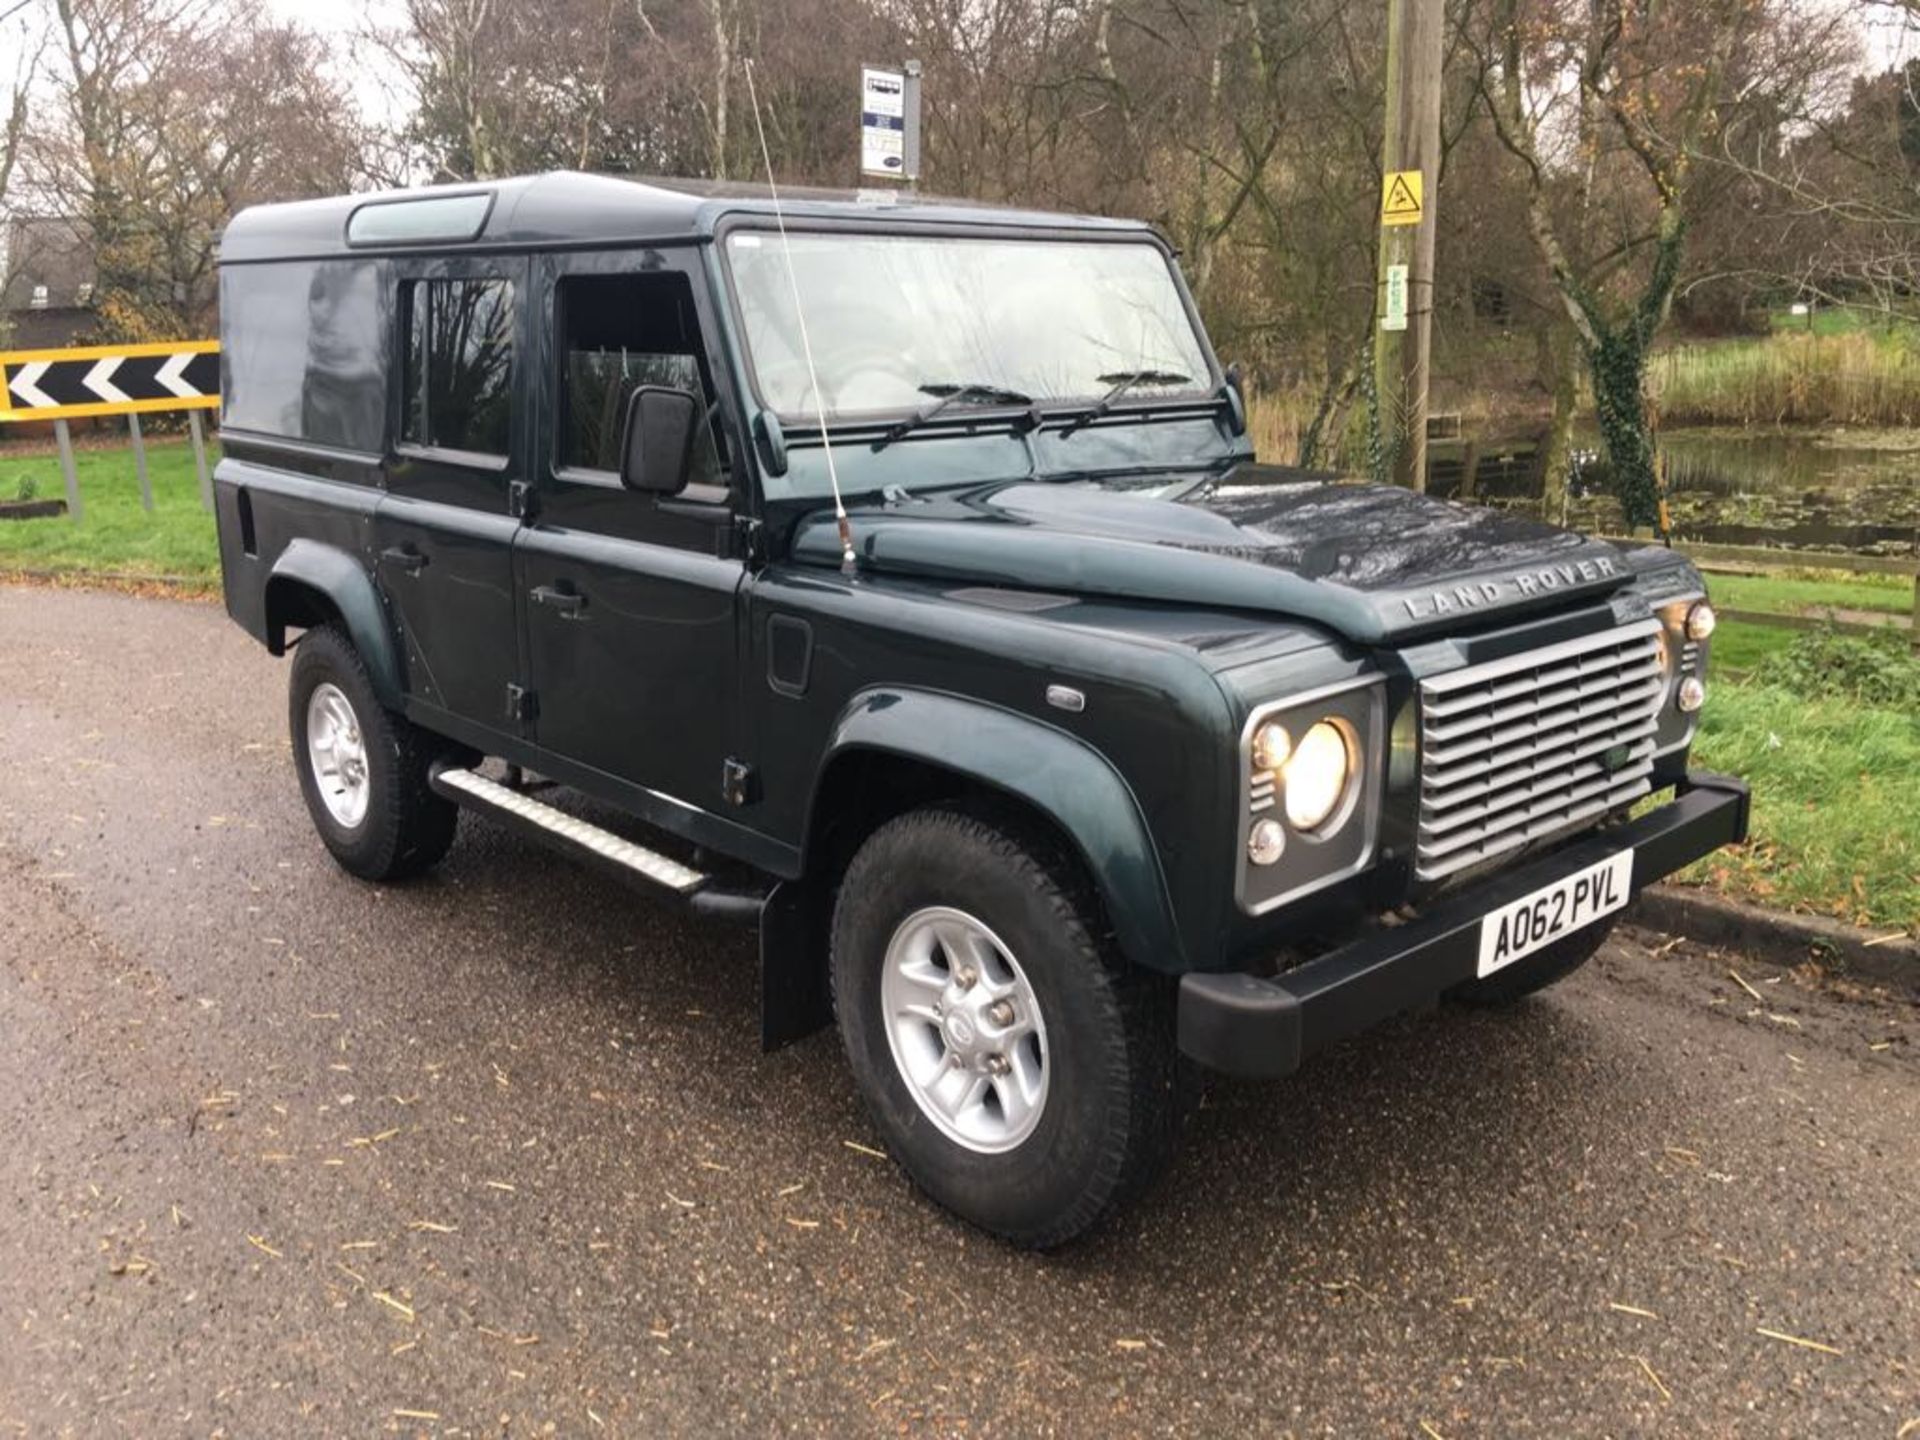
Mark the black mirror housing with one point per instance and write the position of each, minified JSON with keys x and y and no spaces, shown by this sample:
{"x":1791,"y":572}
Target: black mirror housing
{"x":656,"y":443}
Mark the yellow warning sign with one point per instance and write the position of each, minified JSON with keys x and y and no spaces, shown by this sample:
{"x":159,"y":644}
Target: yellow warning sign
{"x":1400,"y":196}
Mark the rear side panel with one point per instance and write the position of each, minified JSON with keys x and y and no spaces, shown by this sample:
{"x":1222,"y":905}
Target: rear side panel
{"x":304,"y":364}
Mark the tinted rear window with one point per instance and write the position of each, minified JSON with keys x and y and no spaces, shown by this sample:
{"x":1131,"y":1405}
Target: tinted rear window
{"x":303,"y":350}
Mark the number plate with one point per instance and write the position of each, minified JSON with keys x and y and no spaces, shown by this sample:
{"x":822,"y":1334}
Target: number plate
{"x":1534,"y":921}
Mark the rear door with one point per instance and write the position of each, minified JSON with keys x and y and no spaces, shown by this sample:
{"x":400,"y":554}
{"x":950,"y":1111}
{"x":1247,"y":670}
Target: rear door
{"x":443,"y":536}
{"x":631,"y":600}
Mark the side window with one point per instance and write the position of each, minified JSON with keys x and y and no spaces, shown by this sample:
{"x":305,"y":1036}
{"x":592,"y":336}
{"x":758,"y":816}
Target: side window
{"x":459,"y":364}
{"x":618,"y":332}
{"x":312,"y":368}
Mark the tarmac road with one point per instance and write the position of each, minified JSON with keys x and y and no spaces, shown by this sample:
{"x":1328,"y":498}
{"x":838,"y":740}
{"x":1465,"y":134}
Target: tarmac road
{"x":496,"y":1153}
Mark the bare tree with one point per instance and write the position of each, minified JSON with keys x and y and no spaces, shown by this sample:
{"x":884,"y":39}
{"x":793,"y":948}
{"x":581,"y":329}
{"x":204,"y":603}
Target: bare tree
{"x":165,"y":120}
{"x":1605,"y":104}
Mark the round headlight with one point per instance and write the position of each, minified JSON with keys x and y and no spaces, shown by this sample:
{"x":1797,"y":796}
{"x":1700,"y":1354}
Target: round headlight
{"x":1265,"y":842}
{"x":1271,"y":746}
{"x":1693,"y":693}
{"x":1319,"y":777}
{"x":1700,"y":621}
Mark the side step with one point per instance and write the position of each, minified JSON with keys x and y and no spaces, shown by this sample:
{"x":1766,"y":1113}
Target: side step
{"x":578,"y":837}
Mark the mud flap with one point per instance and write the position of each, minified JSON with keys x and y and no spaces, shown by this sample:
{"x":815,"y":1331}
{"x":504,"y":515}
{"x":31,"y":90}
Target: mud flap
{"x":795,"y":999}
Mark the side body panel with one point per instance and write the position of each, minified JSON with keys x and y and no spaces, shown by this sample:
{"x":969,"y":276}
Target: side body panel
{"x":303,"y":427}
{"x":630,"y":600}
{"x":443,"y":536}
{"x":1055,"y":772}
{"x":263,"y":507}
{"x":904,"y":668}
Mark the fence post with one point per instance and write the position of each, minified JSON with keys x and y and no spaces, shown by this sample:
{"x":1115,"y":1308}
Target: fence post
{"x":1913,"y":633}
{"x":66,"y":469}
{"x":200,"y":459}
{"x":140,"y":463}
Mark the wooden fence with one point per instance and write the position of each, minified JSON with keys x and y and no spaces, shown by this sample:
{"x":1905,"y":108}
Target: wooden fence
{"x":1751,"y":559}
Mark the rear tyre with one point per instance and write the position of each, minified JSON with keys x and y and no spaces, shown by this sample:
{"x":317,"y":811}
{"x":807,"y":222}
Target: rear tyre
{"x":1536,"y":972}
{"x":363,"y":769}
{"x":1022,"y":1075}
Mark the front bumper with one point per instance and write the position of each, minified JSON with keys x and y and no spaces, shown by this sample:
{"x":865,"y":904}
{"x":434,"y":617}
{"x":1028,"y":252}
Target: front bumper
{"x":1247,"y":1025}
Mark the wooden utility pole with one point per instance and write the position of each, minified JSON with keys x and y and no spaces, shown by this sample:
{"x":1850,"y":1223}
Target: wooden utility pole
{"x":1403,"y":312}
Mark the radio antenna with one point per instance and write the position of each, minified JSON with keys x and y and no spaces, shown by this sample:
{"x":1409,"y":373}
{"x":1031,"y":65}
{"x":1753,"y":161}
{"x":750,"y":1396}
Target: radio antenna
{"x":806,"y":344}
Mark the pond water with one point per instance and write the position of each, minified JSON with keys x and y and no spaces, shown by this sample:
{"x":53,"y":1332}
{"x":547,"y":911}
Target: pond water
{"x":1856,"y":490}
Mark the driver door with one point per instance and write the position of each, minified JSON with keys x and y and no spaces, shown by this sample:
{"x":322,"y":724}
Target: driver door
{"x":629,"y":599}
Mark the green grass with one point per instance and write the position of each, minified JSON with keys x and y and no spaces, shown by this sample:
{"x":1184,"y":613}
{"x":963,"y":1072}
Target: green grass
{"x":1836,"y":803}
{"x":1740,"y":646}
{"x":1829,"y":320}
{"x":1810,"y":592}
{"x":114,"y":536}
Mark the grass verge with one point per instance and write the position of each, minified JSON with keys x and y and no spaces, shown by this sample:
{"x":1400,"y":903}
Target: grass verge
{"x":1740,"y":647}
{"x":1836,"y":803}
{"x":114,"y":537}
{"x":1810,"y":592}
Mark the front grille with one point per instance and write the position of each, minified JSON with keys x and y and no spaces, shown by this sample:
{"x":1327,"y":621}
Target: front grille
{"x":1521,"y":749}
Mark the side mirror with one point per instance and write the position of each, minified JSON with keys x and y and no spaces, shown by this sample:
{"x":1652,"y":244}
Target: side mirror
{"x":656,"y":445}
{"x":1236,"y":398}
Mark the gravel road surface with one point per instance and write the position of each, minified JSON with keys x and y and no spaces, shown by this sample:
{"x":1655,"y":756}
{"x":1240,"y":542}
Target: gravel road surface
{"x":496,"y":1153}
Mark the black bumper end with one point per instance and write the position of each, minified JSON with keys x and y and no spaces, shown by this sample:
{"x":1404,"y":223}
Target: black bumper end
{"x":1245,"y":1025}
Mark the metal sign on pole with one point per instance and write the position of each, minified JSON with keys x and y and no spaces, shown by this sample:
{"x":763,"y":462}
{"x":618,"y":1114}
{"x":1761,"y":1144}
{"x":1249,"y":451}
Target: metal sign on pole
{"x":109,"y":380}
{"x":129,"y":380}
{"x":890,"y":121}
{"x":1395,"y":316}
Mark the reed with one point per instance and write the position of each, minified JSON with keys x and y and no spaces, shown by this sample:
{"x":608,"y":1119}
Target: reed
{"x":1274,"y":423}
{"x":1848,"y":379}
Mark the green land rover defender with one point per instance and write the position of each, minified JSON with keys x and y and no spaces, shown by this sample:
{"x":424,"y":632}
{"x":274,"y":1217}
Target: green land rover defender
{"x":896,"y":576}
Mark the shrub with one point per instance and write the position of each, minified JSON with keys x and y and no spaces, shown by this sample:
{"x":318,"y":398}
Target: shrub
{"x":1866,"y":669}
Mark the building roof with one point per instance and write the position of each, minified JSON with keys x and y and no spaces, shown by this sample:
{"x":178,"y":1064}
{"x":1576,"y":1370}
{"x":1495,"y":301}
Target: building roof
{"x":54,"y":251}
{"x":569,"y":208}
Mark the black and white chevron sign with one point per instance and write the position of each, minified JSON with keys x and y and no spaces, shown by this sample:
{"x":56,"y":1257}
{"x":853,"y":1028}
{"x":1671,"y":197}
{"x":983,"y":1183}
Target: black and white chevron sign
{"x":109,"y":380}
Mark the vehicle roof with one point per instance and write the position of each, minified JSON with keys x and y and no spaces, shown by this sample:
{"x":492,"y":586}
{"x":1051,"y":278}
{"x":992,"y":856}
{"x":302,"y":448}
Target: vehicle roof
{"x":569,"y":208}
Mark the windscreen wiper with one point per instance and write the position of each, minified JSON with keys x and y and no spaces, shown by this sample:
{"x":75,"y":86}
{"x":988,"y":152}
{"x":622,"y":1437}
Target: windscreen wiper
{"x":1122,"y":381}
{"x":972,"y":393}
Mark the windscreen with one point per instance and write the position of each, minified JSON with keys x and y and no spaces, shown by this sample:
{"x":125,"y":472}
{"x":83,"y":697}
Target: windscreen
{"x":894,"y":319}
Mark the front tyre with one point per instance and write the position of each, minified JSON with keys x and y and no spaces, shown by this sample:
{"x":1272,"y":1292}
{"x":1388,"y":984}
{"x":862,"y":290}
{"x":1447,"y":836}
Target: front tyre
{"x":363,"y":769}
{"x":1024,"y":1078}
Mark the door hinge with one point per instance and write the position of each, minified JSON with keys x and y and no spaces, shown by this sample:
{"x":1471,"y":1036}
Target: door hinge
{"x":522,"y":502}
{"x":752,"y":540}
{"x":523,"y":706}
{"x":738,"y":782}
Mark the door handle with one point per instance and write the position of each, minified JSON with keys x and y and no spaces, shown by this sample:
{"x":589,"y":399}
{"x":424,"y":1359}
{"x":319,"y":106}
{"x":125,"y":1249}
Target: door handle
{"x":568,"y":603}
{"x":406,"y":558}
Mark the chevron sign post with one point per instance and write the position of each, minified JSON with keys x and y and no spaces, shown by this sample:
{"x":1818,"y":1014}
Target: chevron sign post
{"x":110,"y":380}
{"x":130,"y":380}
